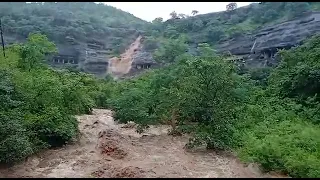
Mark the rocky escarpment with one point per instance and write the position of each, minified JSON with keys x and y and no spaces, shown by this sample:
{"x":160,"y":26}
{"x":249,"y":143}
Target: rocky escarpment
{"x":87,"y":34}
{"x":97,"y":56}
{"x":260,"y":48}
{"x":91,"y":56}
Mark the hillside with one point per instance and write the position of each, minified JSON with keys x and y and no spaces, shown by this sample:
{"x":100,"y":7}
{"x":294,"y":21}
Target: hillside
{"x":213,"y":28}
{"x":86,"y":34}
{"x":93,"y":34}
{"x":252,"y":33}
{"x":198,"y":115}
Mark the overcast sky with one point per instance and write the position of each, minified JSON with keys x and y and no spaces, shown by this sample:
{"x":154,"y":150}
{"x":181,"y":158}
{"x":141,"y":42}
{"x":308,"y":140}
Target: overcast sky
{"x":151,"y":10}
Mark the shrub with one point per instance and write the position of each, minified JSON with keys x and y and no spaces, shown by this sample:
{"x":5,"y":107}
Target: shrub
{"x":288,"y":146}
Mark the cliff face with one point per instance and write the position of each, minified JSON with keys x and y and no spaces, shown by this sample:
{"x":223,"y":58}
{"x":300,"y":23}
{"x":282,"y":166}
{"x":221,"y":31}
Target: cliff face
{"x":86,"y":34}
{"x":92,"y":56}
{"x":256,"y":50}
{"x":91,"y":44}
{"x":260,"y":48}
{"x":95,"y":56}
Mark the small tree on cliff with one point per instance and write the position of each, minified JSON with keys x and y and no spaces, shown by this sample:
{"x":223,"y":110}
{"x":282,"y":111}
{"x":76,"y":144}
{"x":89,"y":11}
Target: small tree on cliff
{"x":157,"y":20}
{"x":174,"y":15}
{"x":194,"y":12}
{"x":231,"y":6}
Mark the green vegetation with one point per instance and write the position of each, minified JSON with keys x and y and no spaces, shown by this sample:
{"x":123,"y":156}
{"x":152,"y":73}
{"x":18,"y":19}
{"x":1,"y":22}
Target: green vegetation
{"x":215,"y":27}
{"x":77,"y":21}
{"x":268,"y":116}
{"x":38,"y":103}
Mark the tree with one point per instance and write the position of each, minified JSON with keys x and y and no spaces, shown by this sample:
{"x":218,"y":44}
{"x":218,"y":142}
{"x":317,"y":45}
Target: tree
{"x":231,"y":6}
{"x":235,"y":31}
{"x":34,"y":51}
{"x":197,"y":25}
{"x":296,"y":9}
{"x":150,"y":44}
{"x":14,"y":144}
{"x":171,"y":50}
{"x":157,"y":20}
{"x":298,"y":75}
{"x":174,"y":15}
{"x":270,"y":15}
{"x":194,"y":12}
{"x":206,"y":87}
{"x":205,"y":50}
{"x":234,"y":19}
{"x":157,"y":24}
{"x":171,"y":32}
{"x":214,"y":34}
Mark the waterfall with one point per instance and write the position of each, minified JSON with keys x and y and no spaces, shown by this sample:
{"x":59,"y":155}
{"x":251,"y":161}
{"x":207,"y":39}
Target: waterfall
{"x":254,"y":44}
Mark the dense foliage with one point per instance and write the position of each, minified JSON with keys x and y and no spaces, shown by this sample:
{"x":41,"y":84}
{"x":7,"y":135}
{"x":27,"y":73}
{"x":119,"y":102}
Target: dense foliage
{"x":215,"y":27}
{"x":80,"y":22}
{"x":267,"y":116}
{"x":38,"y":103}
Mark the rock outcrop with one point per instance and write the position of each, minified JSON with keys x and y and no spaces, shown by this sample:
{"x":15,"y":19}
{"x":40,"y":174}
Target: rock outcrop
{"x":260,"y":48}
{"x":91,"y":56}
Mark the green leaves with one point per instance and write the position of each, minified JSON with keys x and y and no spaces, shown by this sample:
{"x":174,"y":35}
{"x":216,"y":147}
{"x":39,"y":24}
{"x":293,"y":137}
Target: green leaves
{"x":37,"y":104}
{"x":171,"y":50}
{"x":14,"y":143}
{"x":49,"y":18}
{"x":41,"y":43}
{"x":194,"y":89}
{"x":33,"y":52}
{"x":228,"y":111}
{"x":298,"y":74}
{"x":206,"y":51}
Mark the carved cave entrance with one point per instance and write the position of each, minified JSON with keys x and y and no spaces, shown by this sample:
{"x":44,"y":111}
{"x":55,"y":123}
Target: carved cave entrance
{"x":64,"y":59}
{"x":143,"y":66}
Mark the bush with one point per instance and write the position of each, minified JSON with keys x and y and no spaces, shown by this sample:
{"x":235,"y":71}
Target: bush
{"x":291,"y":147}
{"x":260,"y":75}
{"x":53,"y":127}
{"x":150,"y":44}
{"x":14,"y":142}
{"x":37,"y":104}
{"x":198,"y":89}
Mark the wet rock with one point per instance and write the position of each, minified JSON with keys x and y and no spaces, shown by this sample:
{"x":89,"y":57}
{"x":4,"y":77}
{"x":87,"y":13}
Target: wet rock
{"x":259,"y":49}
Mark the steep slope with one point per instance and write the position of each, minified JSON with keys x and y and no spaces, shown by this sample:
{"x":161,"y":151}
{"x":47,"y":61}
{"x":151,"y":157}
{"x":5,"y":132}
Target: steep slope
{"x":86,"y":34}
{"x":252,"y":33}
{"x":121,"y":66}
{"x":215,"y":27}
{"x":133,"y":61}
{"x":94,"y":35}
{"x":260,"y":48}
